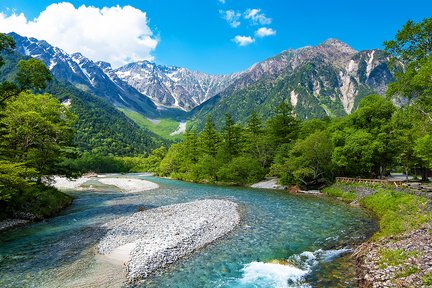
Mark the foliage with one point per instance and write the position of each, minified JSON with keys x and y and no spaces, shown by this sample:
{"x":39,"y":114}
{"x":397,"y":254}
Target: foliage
{"x":310,"y":158}
{"x":241,"y":170}
{"x":35,"y":129}
{"x":337,"y":192}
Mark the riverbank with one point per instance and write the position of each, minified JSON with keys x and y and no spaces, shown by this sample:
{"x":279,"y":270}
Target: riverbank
{"x":150,"y":240}
{"x":398,"y":255}
{"x":50,"y":200}
{"x":39,"y":203}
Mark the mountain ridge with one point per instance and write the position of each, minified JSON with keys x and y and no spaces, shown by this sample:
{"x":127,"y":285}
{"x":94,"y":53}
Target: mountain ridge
{"x":318,"y":81}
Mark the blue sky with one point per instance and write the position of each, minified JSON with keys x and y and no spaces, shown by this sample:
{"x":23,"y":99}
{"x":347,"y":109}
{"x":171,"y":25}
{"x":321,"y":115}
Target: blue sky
{"x":197,"y":35}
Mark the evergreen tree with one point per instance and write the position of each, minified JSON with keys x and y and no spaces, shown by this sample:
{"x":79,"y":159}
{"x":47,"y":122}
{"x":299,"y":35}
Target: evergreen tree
{"x":209,"y":138}
{"x":231,"y":134}
{"x":283,"y":127}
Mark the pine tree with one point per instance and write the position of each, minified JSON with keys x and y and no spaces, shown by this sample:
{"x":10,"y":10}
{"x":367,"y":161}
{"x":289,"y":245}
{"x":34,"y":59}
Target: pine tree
{"x":209,"y":138}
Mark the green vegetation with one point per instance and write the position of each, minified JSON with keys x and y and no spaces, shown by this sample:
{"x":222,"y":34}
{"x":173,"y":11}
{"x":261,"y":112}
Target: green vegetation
{"x":162,"y":127}
{"x":336,"y":191}
{"x":36,"y":131}
{"x":398,"y":212}
{"x":427,"y":279}
{"x":391,"y":257}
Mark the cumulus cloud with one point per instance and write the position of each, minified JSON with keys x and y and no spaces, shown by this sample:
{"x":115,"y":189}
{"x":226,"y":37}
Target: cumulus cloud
{"x":243,"y":40}
{"x":222,"y":1}
{"x":114,"y":34}
{"x":264,"y":32}
{"x":256,"y":17}
{"x":232,"y":17}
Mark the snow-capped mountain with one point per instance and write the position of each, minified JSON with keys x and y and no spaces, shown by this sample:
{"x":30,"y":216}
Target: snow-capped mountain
{"x":173,"y":86}
{"x":328,"y":79}
{"x":85,"y":74}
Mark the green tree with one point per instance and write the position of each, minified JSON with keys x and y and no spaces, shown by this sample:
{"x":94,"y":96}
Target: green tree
{"x":363,"y":140}
{"x":191,"y":143}
{"x":35,"y":129}
{"x":310,"y":159}
{"x":231,"y":137}
{"x":256,"y":142}
{"x":408,"y":126}
{"x":31,"y":73}
{"x":209,"y":138}
{"x":411,"y":57}
{"x":283,"y":127}
{"x":241,"y":170}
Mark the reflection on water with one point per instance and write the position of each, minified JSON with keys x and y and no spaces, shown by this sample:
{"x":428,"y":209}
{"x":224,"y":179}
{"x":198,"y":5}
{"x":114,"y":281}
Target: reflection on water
{"x":60,"y":252}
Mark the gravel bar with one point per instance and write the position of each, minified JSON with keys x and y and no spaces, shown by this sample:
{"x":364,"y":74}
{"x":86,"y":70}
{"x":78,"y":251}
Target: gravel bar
{"x":152,"y":239}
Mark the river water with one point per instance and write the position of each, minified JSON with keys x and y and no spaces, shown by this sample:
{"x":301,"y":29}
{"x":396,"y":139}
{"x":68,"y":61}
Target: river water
{"x":282,"y":241}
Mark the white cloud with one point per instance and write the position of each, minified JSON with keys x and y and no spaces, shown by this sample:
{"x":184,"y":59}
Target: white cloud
{"x":243,"y":40}
{"x":232,"y":17}
{"x":264,"y":32}
{"x":256,"y":17}
{"x":222,"y":1}
{"x":114,"y":34}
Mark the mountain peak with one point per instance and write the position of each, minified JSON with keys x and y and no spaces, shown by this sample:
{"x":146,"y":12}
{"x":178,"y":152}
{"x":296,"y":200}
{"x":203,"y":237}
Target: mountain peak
{"x":336,"y":43}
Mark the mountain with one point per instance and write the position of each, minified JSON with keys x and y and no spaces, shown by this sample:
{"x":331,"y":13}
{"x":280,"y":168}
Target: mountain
{"x":172,"y":86}
{"x":97,"y":78}
{"x":327,"y":80}
{"x":101,"y":128}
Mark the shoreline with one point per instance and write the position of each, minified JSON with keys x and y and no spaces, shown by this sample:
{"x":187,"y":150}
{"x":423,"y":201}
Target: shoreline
{"x":124,"y":184}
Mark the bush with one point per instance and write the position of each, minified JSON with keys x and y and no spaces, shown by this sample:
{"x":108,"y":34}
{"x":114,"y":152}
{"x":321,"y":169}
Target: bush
{"x":241,"y":170}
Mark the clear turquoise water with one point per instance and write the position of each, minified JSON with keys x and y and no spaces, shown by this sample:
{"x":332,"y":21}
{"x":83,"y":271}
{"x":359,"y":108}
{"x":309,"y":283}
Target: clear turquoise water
{"x":306,"y":230}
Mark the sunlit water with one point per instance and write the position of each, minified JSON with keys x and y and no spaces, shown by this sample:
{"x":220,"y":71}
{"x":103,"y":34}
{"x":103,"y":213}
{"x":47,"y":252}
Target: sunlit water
{"x":304,"y":233}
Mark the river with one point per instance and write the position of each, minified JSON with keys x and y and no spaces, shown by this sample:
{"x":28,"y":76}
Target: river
{"x":308,"y":232}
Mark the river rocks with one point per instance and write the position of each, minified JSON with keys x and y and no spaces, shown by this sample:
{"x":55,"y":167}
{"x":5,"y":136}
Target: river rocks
{"x":12,"y":223}
{"x":126,"y":185}
{"x":268,"y":183}
{"x":412,"y":267}
{"x":129,"y":185}
{"x":149,"y":240}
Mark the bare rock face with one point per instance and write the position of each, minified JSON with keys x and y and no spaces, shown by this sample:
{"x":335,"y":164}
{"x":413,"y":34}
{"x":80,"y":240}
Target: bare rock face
{"x":152,"y":239}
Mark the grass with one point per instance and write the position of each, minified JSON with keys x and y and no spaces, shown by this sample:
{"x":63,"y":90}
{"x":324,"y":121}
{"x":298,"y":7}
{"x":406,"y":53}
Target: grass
{"x":427,"y":279}
{"x":337,"y":192}
{"x":164,"y":128}
{"x":390,"y":257}
{"x":397,"y":211}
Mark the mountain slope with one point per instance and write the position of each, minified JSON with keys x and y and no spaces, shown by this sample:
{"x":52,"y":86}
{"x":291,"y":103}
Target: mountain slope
{"x":172,"y":86}
{"x":97,"y":78}
{"x":101,"y":128}
{"x":326,"y":80}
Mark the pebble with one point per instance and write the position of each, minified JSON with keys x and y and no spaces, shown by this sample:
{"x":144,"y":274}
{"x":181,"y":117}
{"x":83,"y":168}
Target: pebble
{"x":165,"y":234}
